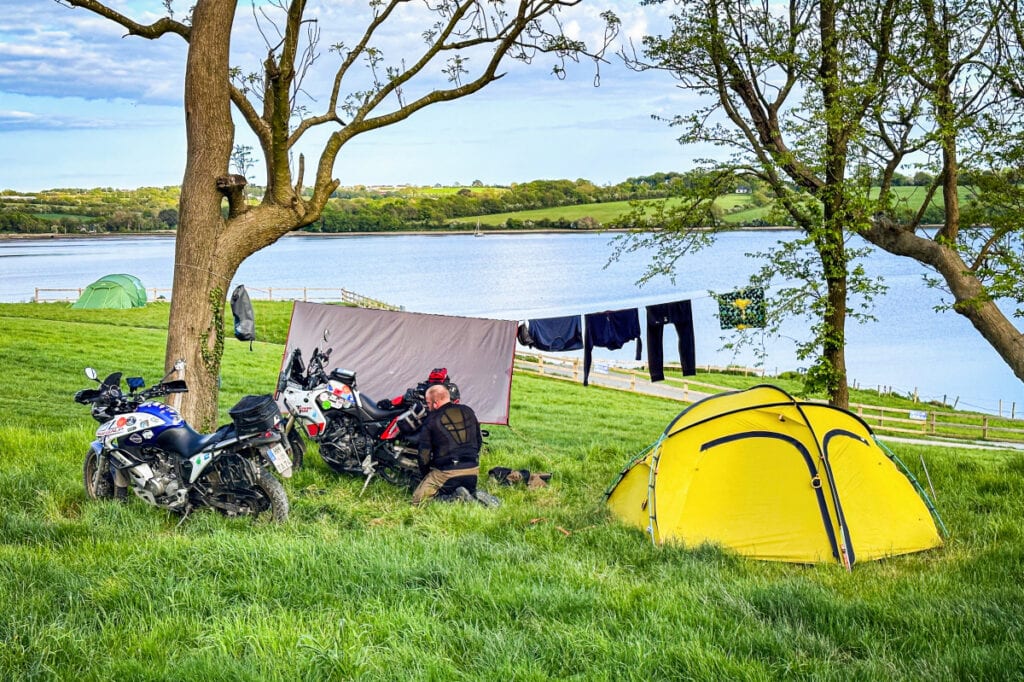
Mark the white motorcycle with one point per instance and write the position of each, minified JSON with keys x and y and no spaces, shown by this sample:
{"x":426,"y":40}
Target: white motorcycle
{"x":147,"y":447}
{"x":356,"y":434}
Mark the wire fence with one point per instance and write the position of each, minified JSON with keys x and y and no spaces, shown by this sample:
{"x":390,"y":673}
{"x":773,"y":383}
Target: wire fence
{"x":910,"y":422}
{"x":309,"y":294}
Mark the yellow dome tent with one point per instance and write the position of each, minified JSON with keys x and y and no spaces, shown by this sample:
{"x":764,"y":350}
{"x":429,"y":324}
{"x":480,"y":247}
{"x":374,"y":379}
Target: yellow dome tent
{"x":778,"y":479}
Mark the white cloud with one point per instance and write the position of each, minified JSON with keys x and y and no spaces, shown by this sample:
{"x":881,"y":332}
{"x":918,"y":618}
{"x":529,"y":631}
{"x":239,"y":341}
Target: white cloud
{"x":73,"y":88}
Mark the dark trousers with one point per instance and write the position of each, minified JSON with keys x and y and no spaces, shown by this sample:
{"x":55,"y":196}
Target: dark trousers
{"x":438,"y":482}
{"x":680,"y":315}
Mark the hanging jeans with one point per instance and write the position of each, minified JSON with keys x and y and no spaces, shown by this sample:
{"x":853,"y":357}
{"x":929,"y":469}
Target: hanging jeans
{"x":679,"y":314}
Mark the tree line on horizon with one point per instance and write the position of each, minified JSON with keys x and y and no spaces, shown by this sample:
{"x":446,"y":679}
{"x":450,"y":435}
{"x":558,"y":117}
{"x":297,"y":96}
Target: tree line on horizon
{"x":359,"y":208}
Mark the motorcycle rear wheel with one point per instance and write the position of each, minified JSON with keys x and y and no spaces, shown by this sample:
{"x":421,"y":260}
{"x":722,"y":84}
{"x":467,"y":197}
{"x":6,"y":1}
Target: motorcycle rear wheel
{"x":97,"y":487}
{"x":274,"y":490}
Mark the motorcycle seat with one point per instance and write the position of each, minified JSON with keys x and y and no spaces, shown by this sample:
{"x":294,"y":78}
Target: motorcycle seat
{"x":186,"y":441}
{"x":376,"y":413}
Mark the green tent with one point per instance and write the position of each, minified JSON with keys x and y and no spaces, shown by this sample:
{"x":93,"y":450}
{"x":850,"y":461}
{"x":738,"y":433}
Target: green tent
{"x":113,"y":291}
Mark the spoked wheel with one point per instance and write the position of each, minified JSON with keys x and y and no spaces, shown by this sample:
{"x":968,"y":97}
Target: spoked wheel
{"x":399,"y":476}
{"x":99,"y":485}
{"x":267,"y":494}
{"x":274,"y":492}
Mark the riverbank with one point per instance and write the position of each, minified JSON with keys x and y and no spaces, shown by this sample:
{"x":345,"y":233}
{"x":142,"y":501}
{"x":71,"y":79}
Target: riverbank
{"x":298,"y":233}
{"x":532,"y":276}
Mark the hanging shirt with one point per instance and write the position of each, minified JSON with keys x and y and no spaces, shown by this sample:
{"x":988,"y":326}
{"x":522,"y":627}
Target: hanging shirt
{"x":553,"y":333}
{"x":742,"y":309}
{"x":679,"y":314}
{"x":611,"y":329}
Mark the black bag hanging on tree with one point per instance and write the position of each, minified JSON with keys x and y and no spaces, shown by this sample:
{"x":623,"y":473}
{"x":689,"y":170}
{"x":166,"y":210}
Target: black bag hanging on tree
{"x":245,"y":320}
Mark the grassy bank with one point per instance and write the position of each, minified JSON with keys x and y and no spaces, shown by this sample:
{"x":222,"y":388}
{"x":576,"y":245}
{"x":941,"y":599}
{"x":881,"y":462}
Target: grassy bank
{"x":365,"y":587}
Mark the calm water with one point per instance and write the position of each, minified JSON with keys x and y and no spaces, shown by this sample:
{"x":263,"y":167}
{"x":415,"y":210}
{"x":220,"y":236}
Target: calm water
{"x":521,"y":276}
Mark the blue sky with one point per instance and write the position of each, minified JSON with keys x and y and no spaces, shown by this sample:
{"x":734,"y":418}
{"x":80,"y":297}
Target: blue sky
{"x":83,"y":106}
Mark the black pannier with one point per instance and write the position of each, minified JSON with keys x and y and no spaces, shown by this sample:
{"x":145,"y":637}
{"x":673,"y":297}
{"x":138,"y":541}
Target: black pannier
{"x":255,"y":414}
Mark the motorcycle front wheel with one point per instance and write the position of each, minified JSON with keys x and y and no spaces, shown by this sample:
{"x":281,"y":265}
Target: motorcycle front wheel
{"x":99,"y":485}
{"x":298,"y":447}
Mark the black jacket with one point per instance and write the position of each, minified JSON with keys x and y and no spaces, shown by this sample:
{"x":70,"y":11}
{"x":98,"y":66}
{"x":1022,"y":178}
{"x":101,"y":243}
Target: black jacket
{"x":450,"y":439}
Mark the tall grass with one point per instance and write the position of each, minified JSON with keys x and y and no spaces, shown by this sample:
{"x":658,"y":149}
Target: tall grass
{"x":548,"y":586}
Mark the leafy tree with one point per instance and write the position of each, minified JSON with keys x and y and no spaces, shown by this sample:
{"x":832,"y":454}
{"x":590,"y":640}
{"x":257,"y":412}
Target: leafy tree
{"x":818,"y":99}
{"x":168,"y":217}
{"x":465,"y":46}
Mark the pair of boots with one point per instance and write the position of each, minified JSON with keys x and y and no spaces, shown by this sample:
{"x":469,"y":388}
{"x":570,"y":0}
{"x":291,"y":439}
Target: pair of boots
{"x":510,"y":477}
{"x":486,"y":499}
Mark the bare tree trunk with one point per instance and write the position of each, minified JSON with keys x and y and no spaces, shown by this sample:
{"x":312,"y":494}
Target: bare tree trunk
{"x":196,"y":326}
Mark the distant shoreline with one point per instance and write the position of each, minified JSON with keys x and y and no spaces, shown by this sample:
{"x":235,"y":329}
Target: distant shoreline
{"x":391,"y":233}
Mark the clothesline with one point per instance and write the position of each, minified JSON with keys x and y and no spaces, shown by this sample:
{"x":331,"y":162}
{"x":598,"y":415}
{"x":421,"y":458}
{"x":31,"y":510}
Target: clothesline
{"x":613,"y":329}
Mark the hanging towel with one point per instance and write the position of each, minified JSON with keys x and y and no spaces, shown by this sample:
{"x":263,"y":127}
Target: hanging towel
{"x":611,"y":329}
{"x":553,"y":333}
{"x":742,"y":309}
{"x":679,"y":314}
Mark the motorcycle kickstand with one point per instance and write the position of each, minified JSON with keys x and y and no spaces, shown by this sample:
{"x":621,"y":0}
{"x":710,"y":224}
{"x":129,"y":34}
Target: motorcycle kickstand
{"x":188,"y":510}
{"x":367,"y":483}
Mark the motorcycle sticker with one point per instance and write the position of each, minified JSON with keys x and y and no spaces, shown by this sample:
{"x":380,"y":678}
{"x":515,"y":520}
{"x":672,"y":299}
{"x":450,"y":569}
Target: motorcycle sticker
{"x":124,"y":425}
{"x":337,"y":395}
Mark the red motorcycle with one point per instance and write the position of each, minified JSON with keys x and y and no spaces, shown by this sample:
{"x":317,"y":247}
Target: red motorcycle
{"x":356,"y":434}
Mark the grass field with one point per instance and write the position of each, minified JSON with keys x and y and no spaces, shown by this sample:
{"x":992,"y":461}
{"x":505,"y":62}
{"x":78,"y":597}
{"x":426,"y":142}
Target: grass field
{"x":739,"y":209}
{"x":738,"y":206}
{"x":548,"y":586}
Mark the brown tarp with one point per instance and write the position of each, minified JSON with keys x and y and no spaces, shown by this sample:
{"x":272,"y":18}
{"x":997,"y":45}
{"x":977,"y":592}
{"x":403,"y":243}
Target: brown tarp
{"x":391,"y":351}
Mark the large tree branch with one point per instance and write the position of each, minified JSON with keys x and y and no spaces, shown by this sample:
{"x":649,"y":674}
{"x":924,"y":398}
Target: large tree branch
{"x":157,"y":29}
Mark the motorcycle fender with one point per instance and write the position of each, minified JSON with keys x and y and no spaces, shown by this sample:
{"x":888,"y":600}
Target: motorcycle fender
{"x":118,"y":458}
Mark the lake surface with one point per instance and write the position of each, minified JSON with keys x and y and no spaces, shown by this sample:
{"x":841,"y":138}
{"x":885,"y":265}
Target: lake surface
{"x":522,"y":276}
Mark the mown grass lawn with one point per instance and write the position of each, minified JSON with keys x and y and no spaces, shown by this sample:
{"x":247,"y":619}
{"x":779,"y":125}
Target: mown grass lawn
{"x":365,"y":587}
{"x":739,"y":208}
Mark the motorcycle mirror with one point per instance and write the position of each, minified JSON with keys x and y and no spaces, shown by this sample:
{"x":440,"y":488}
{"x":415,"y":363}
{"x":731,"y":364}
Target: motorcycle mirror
{"x":327,"y":333}
{"x":91,"y":373}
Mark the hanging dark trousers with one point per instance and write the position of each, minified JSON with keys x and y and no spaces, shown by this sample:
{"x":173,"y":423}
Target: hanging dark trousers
{"x":679,"y":314}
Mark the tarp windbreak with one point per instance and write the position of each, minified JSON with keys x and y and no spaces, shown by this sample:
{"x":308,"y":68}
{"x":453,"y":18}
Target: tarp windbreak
{"x":774,"y":478}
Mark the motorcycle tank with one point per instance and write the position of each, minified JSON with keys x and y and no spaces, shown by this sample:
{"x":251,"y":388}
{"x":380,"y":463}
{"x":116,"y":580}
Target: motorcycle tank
{"x":339,"y":395}
{"x":160,"y":418}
